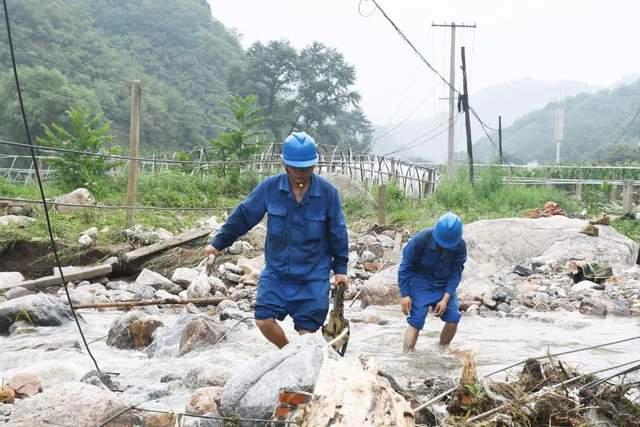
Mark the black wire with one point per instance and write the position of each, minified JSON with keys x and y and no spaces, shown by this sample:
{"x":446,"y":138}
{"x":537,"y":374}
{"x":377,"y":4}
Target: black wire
{"x":364,"y":15}
{"x":399,"y":124}
{"x":412,"y":144}
{"x":627,"y":127}
{"x":37,"y":170}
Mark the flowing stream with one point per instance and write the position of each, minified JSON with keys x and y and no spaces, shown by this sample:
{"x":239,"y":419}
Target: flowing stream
{"x":55,"y":355}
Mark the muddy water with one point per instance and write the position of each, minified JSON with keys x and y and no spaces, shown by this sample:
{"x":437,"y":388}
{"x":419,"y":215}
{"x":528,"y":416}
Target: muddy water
{"x":54,"y":353}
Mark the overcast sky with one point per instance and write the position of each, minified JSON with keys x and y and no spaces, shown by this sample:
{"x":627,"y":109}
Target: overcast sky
{"x":595,"y":41}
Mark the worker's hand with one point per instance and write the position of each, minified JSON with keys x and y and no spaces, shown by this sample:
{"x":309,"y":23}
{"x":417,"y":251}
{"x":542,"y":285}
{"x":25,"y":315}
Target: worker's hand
{"x":341,"y":280}
{"x":405,"y":303}
{"x":441,"y":307}
{"x":210,"y":250}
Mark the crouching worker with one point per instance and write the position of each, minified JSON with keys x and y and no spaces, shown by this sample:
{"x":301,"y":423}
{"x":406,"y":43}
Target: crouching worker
{"x":306,"y":239}
{"x":431,"y":268}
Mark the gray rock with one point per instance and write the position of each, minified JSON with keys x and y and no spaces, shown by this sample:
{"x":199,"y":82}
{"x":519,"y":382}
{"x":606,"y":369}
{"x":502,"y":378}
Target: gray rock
{"x":16,"y":221}
{"x":80,"y":196}
{"x":381,"y":288}
{"x":386,"y":242}
{"x":157,"y":281}
{"x":166,"y":340}
{"x":367,"y":256}
{"x":116,"y":285}
{"x":227,"y":304}
{"x":85,"y":241}
{"x":580,"y":288}
{"x":184,"y":276}
{"x":86,"y":404}
{"x":199,"y":288}
{"x":132,"y":330}
{"x":141,"y":291}
{"x":201,"y":331}
{"x":489,"y":302}
{"x":9,"y":278}
{"x":239,"y":247}
{"x":121,"y":295}
{"x":163,"y":234}
{"x":252,"y":391}
{"x":350,"y":188}
{"x":39,"y":309}
{"x":206,"y":376}
{"x":230,"y":267}
{"x":203,"y":401}
{"x":504,"y":307}
{"x":556,"y":292}
{"x":79,"y":296}
{"x":162,"y":294}
{"x":18,"y":292}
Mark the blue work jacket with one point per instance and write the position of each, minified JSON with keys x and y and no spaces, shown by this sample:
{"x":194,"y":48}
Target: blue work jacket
{"x":304,"y":240}
{"x":427,"y":265}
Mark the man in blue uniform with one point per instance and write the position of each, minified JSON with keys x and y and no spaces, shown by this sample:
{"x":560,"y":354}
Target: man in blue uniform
{"x":430,"y":272}
{"x":306,"y":239}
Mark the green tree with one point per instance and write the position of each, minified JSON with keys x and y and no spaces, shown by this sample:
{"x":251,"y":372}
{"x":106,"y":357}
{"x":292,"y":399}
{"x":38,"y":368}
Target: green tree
{"x":85,"y":133}
{"x":47,"y":96}
{"x":243,"y":135}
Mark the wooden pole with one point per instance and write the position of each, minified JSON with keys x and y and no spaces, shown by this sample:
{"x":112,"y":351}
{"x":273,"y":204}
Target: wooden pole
{"x":165,"y":301}
{"x":134,"y":149}
{"x":500,"y":138}
{"x":627,"y":197}
{"x":381,"y":205}
{"x":467,"y":119}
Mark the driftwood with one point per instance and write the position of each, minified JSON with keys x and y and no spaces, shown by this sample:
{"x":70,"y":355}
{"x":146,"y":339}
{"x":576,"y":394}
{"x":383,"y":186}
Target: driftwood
{"x":169,"y":243}
{"x":45,"y":282}
{"x":164,"y":301}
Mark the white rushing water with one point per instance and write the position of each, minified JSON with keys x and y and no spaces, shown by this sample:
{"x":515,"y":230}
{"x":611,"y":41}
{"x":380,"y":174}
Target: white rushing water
{"x":54,"y":355}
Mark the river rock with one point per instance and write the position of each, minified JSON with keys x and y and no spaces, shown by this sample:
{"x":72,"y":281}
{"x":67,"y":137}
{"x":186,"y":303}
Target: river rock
{"x":200,"y":287}
{"x":10,"y":278}
{"x":132,"y":330}
{"x":252,"y":391}
{"x":74,"y":402}
{"x":580,"y":288}
{"x":206,"y":376}
{"x":184,"y":276}
{"x":18,"y":292}
{"x":38,"y":309}
{"x":381,"y":288}
{"x":367,"y":256}
{"x":200,"y":332}
{"x":157,"y":281}
{"x":239,"y":247}
{"x":203,"y":400}
{"x":25,"y":385}
{"x":385,"y":241}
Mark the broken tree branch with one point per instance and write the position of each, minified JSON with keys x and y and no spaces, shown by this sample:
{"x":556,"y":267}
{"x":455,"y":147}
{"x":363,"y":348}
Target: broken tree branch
{"x":169,"y":243}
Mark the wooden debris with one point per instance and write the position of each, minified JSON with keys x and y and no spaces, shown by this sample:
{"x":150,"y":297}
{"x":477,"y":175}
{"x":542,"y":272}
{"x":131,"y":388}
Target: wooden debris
{"x":83,"y":274}
{"x":164,"y":301}
{"x":169,"y":243}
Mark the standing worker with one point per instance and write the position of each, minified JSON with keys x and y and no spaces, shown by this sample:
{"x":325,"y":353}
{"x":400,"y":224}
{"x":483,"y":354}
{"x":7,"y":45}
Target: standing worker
{"x":306,"y":239}
{"x":430,"y":272}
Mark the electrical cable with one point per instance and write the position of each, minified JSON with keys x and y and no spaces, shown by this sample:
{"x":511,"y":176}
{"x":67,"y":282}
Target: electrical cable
{"x":40,"y":187}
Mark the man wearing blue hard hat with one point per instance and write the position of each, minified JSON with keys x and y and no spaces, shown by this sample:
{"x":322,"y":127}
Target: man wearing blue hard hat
{"x":306,"y":239}
{"x":430,"y":272}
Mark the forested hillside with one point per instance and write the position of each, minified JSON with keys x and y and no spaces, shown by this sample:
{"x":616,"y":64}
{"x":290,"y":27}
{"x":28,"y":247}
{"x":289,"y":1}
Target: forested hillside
{"x":599,"y":127}
{"x":84,"y":53}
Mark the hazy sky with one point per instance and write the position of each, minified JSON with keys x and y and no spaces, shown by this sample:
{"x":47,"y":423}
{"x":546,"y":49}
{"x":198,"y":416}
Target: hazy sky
{"x":594,"y":41}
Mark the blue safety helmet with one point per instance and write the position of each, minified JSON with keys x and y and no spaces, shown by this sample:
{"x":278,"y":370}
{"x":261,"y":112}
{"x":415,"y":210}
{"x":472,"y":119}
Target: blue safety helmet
{"x":448,"y":230}
{"x":299,"y":150}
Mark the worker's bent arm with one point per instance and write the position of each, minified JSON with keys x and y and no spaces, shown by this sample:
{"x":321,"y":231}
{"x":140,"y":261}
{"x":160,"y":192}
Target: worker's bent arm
{"x":409,"y":256}
{"x":459,"y":258}
{"x":339,"y":237}
{"x":243,"y":218}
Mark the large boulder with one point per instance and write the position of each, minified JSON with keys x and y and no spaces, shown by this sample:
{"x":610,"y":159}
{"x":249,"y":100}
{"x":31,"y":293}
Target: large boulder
{"x":39,"y":310}
{"x":73,"y":403}
{"x":10,"y":278}
{"x":252,"y":392}
{"x":80,"y":196}
{"x":190,"y":332}
{"x":184,"y":276}
{"x":495,"y":246}
{"x":132,"y":330}
{"x":381,"y":288}
{"x":203,"y":401}
{"x":349,"y":188}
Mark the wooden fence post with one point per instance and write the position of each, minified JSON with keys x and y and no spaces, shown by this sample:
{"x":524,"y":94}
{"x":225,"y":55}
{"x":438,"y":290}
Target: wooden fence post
{"x":134,"y":149}
{"x":579,"y":190}
{"x":381,"y":205}
{"x":627,"y":197}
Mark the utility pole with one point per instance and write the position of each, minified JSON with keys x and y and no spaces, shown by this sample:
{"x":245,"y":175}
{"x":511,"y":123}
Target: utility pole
{"x":467,"y":119}
{"x":500,"y":138}
{"x":558,"y":131}
{"x":452,"y":95}
{"x":134,"y":149}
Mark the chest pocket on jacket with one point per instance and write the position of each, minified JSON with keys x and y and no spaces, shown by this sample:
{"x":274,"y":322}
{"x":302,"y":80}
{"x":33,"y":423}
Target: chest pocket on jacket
{"x":315,"y":225}
{"x":277,"y":223}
